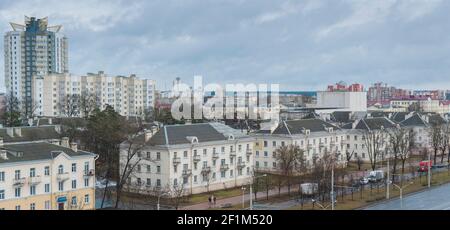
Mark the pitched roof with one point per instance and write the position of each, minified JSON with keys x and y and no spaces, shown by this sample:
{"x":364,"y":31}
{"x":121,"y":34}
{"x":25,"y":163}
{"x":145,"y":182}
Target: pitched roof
{"x":436,"y":119}
{"x":298,"y":126}
{"x":37,"y":151}
{"x":30,"y":134}
{"x":374,"y":123}
{"x":177,"y":134}
{"x":414,"y":120}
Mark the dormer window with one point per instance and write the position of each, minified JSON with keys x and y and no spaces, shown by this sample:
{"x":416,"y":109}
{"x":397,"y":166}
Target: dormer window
{"x":230,"y":137}
{"x":330,"y":129}
{"x":307,"y":132}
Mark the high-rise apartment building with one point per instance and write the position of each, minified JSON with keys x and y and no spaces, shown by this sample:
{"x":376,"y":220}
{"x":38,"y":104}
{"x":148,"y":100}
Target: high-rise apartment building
{"x":68,"y":95}
{"x":32,"y":50}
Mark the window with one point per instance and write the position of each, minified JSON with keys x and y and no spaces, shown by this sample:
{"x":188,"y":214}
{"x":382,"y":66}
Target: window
{"x":2,"y":176}
{"x":47,"y":171}
{"x":74,"y":201}
{"x":139,"y":181}
{"x":185,"y":154}
{"x":47,"y":188}
{"x":61,"y":186}
{"x":266,"y":154}
{"x":265,"y":143}
{"x":60,"y":169}
{"x":274,"y":143}
{"x":74,"y":184}
{"x":158,"y":182}
{"x":195,"y":179}
{"x":148,"y":168}
{"x":158,"y":169}
{"x":32,"y":172}
{"x":74,"y":167}
{"x":158,"y":156}
{"x":33,"y":190}
{"x":17,"y":174}
{"x":148,"y":155}
{"x":17,"y":192}
{"x":2,"y":194}
{"x":222,"y":174}
{"x":33,"y":206}
{"x":149,"y":182}
{"x":231,"y":173}
{"x":17,"y":207}
{"x":86,"y":182}
{"x":257,"y":153}
{"x":86,"y":199}
{"x":47,"y":204}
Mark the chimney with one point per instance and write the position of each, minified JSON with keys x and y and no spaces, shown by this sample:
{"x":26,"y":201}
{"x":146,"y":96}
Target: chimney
{"x":18,"y":131}
{"x":147,"y":135}
{"x":3,"y":154}
{"x":65,"y":142}
{"x":50,"y":121}
{"x":74,"y":146}
{"x":58,"y":129}
{"x":10,"y":132}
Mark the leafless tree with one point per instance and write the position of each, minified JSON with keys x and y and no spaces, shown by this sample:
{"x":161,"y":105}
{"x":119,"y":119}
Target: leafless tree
{"x":359,"y":162}
{"x":373,"y":140}
{"x":129,"y":160}
{"x":178,"y":194}
{"x":12,"y":115}
{"x":349,"y":155}
{"x":436,"y":139}
{"x":69,"y":105}
{"x":401,"y":140}
{"x":88,"y":103}
{"x":445,"y":141}
{"x":287,"y":158}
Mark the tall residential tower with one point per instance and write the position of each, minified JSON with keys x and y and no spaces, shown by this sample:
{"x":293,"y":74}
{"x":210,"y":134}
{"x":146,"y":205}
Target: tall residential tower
{"x":32,"y":50}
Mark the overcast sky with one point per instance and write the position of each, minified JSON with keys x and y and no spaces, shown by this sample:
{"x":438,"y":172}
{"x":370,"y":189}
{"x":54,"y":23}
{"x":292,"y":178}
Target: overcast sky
{"x":302,"y":45}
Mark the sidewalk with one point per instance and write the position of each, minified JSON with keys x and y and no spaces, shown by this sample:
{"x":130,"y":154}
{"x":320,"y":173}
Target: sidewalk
{"x":238,"y":199}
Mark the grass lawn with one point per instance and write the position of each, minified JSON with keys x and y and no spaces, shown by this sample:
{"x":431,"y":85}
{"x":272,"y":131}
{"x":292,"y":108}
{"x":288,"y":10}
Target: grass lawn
{"x":221,"y":194}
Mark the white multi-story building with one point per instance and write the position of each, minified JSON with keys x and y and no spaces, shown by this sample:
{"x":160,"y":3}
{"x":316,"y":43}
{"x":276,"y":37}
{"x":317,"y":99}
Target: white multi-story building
{"x":196,"y":157}
{"x":32,"y":50}
{"x":328,"y":102}
{"x":314,"y":136}
{"x":45,"y":176}
{"x":129,"y":96}
{"x":358,"y":130}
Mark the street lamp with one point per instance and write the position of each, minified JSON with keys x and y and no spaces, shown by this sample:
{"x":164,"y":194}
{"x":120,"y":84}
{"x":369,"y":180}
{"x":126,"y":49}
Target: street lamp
{"x":159,"y":197}
{"x":251,"y":194}
{"x":401,"y":192}
{"x":243,"y":197}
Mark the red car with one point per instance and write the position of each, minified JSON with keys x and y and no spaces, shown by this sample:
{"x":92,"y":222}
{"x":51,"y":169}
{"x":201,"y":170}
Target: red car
{"x":423,"y":166}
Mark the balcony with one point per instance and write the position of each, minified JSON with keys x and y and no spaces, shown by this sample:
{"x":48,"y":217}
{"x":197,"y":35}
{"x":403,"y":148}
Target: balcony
{"x":206,"y":170}
{"x":187,"y":172}
{"x":34,"y":180}
{"x":309,"y":146}
{"x":233,"y":154}
{"x":197,"y":158}
{"x":89,"y":173}
{"x":321,"y":145}
{"x":215,"y":155}
{"x":176,"y":160}
{"x":19,"y":182}
{"x":241,"y":164}
{"x":224,"y":167}
{"x":248,"y":152}
{"x":62,"y":176}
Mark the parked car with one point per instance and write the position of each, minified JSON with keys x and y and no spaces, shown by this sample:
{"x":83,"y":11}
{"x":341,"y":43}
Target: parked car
{"x":363,"y":181}
{"x":376,"y":176}
{"x":423,"y":166}
{"x":309,"y":188}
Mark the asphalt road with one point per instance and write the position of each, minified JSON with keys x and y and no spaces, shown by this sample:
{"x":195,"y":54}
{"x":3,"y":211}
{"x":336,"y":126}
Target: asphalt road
{"x":434,"y":199}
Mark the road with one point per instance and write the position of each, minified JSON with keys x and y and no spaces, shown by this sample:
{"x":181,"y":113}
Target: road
{"x":433,"y":199}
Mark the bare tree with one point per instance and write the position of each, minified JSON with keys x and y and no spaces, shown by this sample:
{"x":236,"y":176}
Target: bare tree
{"x":129,"y":160}
{"x":445,"y":140}
{"x":178,"y":194}
{"x":12,"y":115}
{"x":373,"y":140}
{"x":69,"y":105}
{"x":88,"y":103}
{"x":349,"y":155}
{"x":287,"y":158}
{"x":359,"y":162}
{"x":436,"y":139}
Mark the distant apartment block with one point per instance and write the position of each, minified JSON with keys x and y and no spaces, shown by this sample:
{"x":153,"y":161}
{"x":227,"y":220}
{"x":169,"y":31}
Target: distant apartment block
{"x":32,"y":50}
{"x":66,"y":95}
